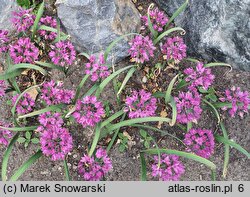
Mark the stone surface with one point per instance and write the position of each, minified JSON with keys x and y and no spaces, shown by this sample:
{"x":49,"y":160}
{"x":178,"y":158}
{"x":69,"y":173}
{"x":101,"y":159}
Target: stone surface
{"x":6,"y":8}
{"x":216,"y":30}
{"x":94,"y":24}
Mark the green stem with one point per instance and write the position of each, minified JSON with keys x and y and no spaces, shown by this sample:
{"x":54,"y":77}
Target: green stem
{"x":78,"y":90}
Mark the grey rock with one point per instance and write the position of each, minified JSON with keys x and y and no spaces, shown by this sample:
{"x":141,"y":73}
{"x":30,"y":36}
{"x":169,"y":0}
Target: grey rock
{"x":6,"y":8}
{"x":94,"y":24}
{"x":216,"y":30}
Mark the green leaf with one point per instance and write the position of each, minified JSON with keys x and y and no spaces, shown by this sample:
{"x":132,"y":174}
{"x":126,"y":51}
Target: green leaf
{"x":146,"y":144}
{"x":7,"y":155}
{"x":150,"y":26}
{"x":111,"y":118}
{"x":35,"y":140}
{"x":38,"y":17}
{"x":79,"y":87}
{"x":21,"y":140}
{"x":226,"y":153}
{"x":128,"y":76}
{"x":143,"y":167}
{"x":159,"y":94}
{"x":177,"y":12}
{"x":143,"y":133}
{"x":47,"y":28}
{"x":66,"y":170}
{"x":213,"y":108}
{"x":192,"y":60}
{"x":17,"y":129}
{"x":181,"y":84}
{"x":26,"y":144}
{"x":217,"y":64}
{"x":28,"y":66}
{"x":41,"y":111}
{"x":183,"y":154}
{"x":91,"y":90}
{"x":169,"y":90}
{"x":11,"y":74}
{"x":122,"y":148}
{"x":24,"y":3}
{"x":233,"y":144}
{"x":212,"y":97}
{"x":107,"y":51}
{"x":49,"y":65}
{"x":95,"y":140}
{"x":26,"y":165}
{"x":108,"y":79}
{"x":28,"y":135}
{"x":85,"y":55}
{"x":174,"y":111}
{"x":158,"y":39}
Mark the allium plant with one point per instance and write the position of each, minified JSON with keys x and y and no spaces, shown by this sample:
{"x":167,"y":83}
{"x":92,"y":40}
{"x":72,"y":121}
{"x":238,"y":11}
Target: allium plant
{"x":188,"y":107}
{"x":92,"y":169}
{"x":5,"y":135}
{"x":158,"y":19}
{"x":48,"y":120}
{"x":141,"y":49}
{"x":96,"y":68}
{"x":240,"y":101}
{"x":140,"y":104}
{"x":23,"y":19}
{"x":174,"y":49}
{"x":62,"y":53}
{"x":56,"y":142}
{"x":53,"y":93}
{"x":3,"y":87}
{"x":51,"y":22}
{"x":4,"y":41}
{"x":170,"y":168}
{"x":23,"y":51}
{"x":89,"y":111}
{"x":200,"y":142}
{"x":200,"y":76}
{"x":25,"y":105}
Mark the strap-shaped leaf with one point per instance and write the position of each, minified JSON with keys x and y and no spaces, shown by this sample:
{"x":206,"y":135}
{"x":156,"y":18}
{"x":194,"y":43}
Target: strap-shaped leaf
{"x":38,"y":17}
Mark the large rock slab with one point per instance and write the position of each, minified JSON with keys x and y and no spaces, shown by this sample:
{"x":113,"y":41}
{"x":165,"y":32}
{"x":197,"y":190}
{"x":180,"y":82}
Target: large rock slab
{"x":94,"y":24}
{"x":6,"y":8}
{"x":216,"y":30}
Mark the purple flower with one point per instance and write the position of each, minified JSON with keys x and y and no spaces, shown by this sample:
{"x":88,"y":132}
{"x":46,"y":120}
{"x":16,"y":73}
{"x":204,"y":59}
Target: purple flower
{"x":141,"y":49}
{"x":53,"y":93}
{"x":240,"y":101}
{"x":200,"y":142}
{"x":170,"y":168}
{"x":188,"y":107}
{"x":23,"y":19}
{"x":5,"y":135}
{"x":88,"y":111}
{"x":158,"y":19}
{"x":56,"y":142}
{"x":97,"y":69}
{"x":3,"y":87}
{"x":50,"y":22}
{"x":200,"y":77}
{"x":25,"y":105}
{"x":140,"y":104}
{"x":94,"y":170}
{"x":48,"y":120}
{"x":4,"y":39}
{"x":174,"y":49}
{"x":62,"y":53}
{"x":24,"y":51}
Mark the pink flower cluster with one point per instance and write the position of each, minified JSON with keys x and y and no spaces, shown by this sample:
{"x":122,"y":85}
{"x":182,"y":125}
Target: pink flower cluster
{"x":200,"y":77}
{"x":51,"y":22}
{"x":3,"y":87}
{"x":94,"y":170}
{"x":188,"y":107}
{"x":174,"y":49}
{"x":4,"y":39}
{"x":62,"y":53}
{"x":88,"y":111}
{"x":158,"y":19}
{"x":141,"y":49}
{"x":5,"y":135}
{"x":53,"y":93}
{"x":24,"y":51}
{"x":170,"y":168}
{"x":240,"y":101}
{"x":23,"y":19}
{"x":48,"y":120}
{"x":97,"y":69}
{"x":200,"y":142}
{"x":56,"y":142}
{"x":25,"y":105}
{"x":140,"y":104}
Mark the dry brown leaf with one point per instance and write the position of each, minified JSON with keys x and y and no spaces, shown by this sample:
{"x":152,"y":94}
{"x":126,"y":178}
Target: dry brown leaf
{"x":163,"y":114}
{"x":33,"y":93}
{"x":125,"y":133}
